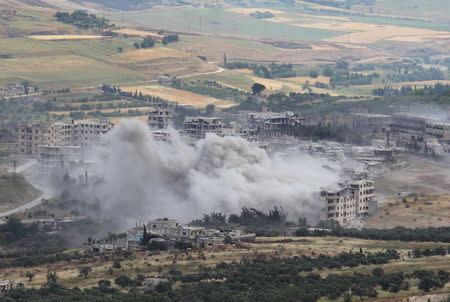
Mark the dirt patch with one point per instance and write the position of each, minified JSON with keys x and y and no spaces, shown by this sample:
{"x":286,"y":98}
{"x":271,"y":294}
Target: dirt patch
{"x":142,"y":55}
{"x":311,"y":81}
{"x":137,"y":33}
{"x":64,"y":37}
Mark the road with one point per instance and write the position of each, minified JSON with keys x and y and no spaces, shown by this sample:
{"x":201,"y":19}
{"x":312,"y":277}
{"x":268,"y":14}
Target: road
{"x":45,"y":193}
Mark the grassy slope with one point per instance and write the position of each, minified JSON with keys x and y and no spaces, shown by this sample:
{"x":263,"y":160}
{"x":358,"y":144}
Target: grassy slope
{"x":15,"y":191}
{"x":219,"y":21}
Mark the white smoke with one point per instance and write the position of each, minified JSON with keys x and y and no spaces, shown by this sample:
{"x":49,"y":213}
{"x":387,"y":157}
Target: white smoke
{"x":146,"y":179}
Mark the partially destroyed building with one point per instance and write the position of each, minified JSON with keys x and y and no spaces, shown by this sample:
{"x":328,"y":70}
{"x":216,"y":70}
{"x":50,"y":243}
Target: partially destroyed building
{"x":421,"y":133}
{"x":275,"y":124}
{"x":348,"y":202}
{"x":159,"y":119}
{"x":197,"y":127}
{"x":172,"y":230}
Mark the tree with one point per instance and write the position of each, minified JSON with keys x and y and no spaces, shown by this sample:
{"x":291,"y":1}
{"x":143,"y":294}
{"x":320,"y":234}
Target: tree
{"x":136,"y":45}
{"x":85,"y":270}
{"x":104,"y":283}
{"x":29,"y":275}
{"x":116,"y":263}
{"x":257,"y":88}
{"x":123,"y":281}
{"x":313,"y":74}
{"x":148,"y":42}
{"x":225,"y":62}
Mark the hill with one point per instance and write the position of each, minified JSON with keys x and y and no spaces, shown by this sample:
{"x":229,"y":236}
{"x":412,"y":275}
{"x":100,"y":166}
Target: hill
{"x":15,"y":191}
{"x":413,"y":211}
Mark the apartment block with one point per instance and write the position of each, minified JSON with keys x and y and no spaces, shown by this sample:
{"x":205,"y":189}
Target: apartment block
{"x":349,"y":202}
{"x":197,"y":127}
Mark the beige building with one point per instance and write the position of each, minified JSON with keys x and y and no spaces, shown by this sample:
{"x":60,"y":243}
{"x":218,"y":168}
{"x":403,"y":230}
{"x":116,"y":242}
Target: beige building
{"x":198,"y":126}
{"x":32,"y":137}
{"x":79,"y":133}
{"x":349,"y":202}
{"x":159,"y":118}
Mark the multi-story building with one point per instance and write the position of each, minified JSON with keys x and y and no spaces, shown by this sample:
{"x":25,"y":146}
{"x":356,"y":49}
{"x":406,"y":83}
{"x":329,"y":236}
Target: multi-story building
{"x":416,"y":132}
{"x":79,"y":133}
{"x":159,"y":119}
{"x":270,"y":123}
{"x":198,"y":126}
{"x":349,"y":202}
{"x":32,"y":136}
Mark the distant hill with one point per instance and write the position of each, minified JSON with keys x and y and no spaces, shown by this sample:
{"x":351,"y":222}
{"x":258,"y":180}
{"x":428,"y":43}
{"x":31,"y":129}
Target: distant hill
{"x":134,"y":4}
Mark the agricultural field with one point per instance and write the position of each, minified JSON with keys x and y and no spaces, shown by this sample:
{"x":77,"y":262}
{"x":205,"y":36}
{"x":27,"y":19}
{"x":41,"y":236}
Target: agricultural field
{"x":181,"y":97}
{"x":157,"y":263}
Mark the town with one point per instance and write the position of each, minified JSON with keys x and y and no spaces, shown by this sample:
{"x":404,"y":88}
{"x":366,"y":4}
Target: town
{"x":222,"y":151}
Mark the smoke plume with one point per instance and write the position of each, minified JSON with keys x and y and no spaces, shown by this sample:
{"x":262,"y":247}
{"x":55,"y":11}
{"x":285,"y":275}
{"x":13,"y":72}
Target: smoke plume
{"x":144,"y":179}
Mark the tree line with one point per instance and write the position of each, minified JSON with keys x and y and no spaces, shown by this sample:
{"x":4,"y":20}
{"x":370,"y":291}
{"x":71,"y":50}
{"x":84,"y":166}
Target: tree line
{"x":271,"y":71}
{"x":431,"y":234}
{"x":83,"y":20}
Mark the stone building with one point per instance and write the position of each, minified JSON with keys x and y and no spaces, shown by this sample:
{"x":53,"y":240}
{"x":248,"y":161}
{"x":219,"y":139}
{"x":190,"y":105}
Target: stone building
{"x":349,"y":202}
{"x":197,"y":127}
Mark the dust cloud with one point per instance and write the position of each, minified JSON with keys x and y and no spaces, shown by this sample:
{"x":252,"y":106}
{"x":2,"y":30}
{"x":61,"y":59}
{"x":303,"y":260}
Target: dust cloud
{"x":144,"y":179}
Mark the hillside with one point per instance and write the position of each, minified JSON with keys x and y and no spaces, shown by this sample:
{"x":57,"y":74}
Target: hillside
{"x":15,"y":191}
{"x":413,"y":211}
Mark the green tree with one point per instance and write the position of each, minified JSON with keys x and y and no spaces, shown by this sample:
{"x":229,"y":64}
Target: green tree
{"x":313,"y":74}
{"x":257,"y":88}
{"x":84,"y":271}
{"x":29,"y":275}
{"x":148,"y":42}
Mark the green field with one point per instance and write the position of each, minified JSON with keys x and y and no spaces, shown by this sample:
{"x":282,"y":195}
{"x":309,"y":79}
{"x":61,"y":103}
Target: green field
{"x":219,"y":21}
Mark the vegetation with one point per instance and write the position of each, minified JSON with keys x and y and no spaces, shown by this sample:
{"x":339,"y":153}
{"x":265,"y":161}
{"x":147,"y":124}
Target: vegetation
{"x":441,"y":234}
{"x":285,"y":279}
{"x":169,"y":38}
{"x":83,"y":20}
{"x":271,"y":71}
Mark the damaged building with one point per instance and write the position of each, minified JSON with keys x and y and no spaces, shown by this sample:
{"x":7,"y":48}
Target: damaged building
{"x":198,"y":127}
{"x":349,"y":202}
{"x":200,"y":237}
{"x":275,"y":124}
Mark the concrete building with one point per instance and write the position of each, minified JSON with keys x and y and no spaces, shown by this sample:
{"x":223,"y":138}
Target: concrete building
{"x":6,"y":286}
{"x":32,"y":136}
{"x":79,"y":133}
{"x":274,"y":124}
{"x":159,"y":119}
{"x":421,"y":133}
{"x":197,"y":127}
{"x":50,"y":155}
{"x":349,"y":202}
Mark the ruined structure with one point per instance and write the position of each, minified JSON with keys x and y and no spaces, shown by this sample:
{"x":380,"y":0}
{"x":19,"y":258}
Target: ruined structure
{"x":420,"y":133}
{"x":159,"y":119}
{"x":349,"y":202}
{"x":275,"y":124}
{"x":197,"y":127}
